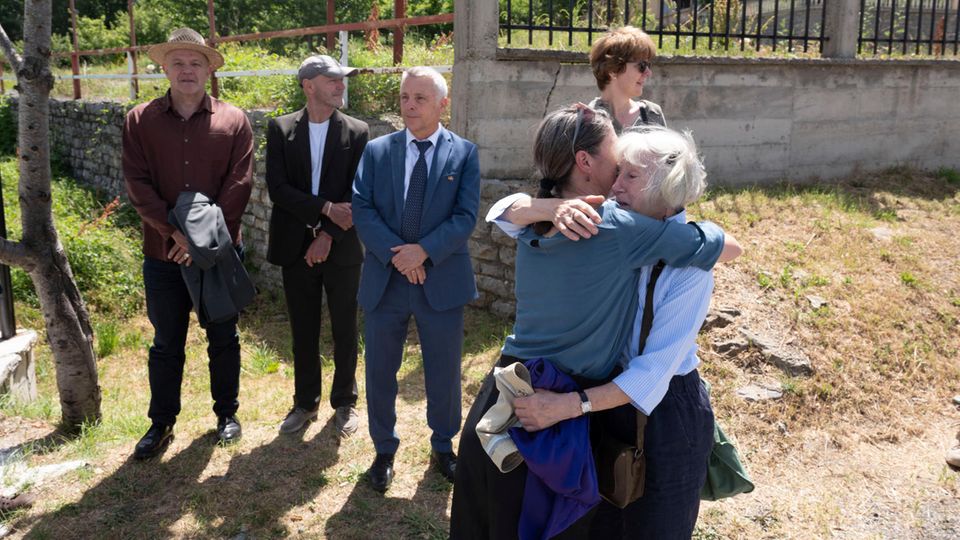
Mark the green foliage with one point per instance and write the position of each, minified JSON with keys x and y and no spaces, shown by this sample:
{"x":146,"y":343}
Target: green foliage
{"x":952,"y":176}
{"x":101,"y":245}
{"x":908,"y":279}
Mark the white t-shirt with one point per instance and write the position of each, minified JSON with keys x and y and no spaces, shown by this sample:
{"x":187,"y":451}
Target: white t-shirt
{"x":318,"y":139}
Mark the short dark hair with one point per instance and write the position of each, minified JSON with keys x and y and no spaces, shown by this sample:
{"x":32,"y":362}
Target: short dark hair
{"x":612,"y":52}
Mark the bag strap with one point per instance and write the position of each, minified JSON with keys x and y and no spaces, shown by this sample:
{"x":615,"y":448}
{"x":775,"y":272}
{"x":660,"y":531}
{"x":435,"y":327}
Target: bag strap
{"x":645,"y":325}
{"x":643,"y":113}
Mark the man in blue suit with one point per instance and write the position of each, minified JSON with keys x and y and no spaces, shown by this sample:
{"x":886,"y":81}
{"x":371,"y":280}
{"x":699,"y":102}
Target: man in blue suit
{"x":415,"y":202}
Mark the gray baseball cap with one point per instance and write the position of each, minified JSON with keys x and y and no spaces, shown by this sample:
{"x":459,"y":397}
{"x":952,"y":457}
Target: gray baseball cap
{"x":322,"y":64}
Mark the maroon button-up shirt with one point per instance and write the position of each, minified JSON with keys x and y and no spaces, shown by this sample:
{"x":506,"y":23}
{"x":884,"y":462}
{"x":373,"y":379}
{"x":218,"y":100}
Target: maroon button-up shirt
{"x":165,"y":154}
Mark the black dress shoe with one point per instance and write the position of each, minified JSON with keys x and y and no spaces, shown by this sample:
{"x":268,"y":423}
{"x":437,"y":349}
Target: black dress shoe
{"x":154,"y":441}
{"x":446,"y":463}
{"x":381,"y":472}
{"x":228,"y":429}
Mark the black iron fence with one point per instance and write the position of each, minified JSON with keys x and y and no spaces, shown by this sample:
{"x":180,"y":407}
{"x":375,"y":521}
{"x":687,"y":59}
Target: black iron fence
{"x":905,"y":27}
{"x":677,"y":25}
{"x":900,"y":27}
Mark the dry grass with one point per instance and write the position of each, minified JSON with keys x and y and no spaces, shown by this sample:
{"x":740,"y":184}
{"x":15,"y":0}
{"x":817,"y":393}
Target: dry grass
{"x":855,"y":451}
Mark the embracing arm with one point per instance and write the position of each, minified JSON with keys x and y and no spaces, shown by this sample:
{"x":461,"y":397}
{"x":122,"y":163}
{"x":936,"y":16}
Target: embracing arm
{"x":645,"y":381}
{"x":574,"y":218}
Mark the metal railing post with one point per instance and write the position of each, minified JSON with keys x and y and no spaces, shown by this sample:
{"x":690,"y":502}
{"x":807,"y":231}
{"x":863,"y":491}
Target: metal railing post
{"x":345,"y":61}
{"x":75,"y":57}
{"x":399,"y":12}
{"x":8,"y":320}
{"x":211,"y":17}
{"x":132,"y":55}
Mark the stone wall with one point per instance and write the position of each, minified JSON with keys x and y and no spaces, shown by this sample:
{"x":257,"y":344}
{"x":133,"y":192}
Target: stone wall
{"x":86,"y":136}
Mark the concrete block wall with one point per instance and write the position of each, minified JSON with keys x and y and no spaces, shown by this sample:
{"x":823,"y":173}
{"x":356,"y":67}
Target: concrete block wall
{"x":755,"y":120}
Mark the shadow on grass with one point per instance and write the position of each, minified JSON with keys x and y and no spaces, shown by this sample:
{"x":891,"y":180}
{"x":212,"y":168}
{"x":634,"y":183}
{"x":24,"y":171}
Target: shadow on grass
{"x":154,"y":493}
{"x":368,"y":514}
{"x":151,"y":499}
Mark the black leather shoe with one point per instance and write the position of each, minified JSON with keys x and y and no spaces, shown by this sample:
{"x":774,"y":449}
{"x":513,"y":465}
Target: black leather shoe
{"x":154,"y":441}
{"x":380,"y":473}
{"x":446,"y":463}
{"x":228,"y":429}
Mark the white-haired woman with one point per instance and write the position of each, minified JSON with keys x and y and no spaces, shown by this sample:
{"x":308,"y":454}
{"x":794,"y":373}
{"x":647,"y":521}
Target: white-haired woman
{"x":575,"y":306}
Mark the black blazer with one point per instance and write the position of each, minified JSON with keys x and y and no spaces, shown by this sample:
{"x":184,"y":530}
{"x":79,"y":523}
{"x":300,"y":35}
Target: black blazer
{"x":288,"y":182}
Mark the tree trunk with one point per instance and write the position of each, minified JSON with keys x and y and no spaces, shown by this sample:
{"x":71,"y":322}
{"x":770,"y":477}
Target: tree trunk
{"x":40,"y":253}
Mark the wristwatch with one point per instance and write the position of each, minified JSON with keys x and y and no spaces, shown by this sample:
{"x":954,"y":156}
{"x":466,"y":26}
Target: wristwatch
{"x":585,"y":405}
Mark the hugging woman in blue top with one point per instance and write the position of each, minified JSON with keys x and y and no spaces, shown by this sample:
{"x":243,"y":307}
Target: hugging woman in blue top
{"x":575,"y":302}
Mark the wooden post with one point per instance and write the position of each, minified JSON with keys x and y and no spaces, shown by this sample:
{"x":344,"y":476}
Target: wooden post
{"x":399,"y":12}
{"x":75,"y":58}
{"x":214,"y":87}
{"x":331,"y":19}
{"x":134,"y":82}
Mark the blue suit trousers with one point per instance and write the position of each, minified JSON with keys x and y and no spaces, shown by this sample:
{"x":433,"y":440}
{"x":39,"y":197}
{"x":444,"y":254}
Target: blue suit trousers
{"x":441,"y":342}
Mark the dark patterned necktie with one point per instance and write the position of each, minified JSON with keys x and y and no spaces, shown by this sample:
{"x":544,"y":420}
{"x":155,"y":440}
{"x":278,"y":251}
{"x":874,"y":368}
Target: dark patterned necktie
{"x":413,"y":206}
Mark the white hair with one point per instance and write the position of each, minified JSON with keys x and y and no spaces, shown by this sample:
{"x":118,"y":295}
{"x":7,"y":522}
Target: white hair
{"x":425,"y":71}
{"x":679,"y":177}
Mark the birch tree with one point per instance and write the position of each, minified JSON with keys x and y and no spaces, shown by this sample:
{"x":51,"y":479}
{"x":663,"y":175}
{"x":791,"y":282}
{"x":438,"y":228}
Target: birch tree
{"x":40,"y":252}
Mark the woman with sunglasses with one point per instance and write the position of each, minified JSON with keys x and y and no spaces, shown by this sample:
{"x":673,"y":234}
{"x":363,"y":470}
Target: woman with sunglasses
{"x":621,"y":60}
{"x":575,"y":305}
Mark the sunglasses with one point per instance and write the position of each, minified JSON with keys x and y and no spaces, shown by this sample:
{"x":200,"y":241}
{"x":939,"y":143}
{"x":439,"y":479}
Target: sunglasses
{"x":643,"y":65}
{"x":584,"y":114}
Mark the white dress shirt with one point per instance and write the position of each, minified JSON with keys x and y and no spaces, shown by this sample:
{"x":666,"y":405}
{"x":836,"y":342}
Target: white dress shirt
{"x":413,"y":153}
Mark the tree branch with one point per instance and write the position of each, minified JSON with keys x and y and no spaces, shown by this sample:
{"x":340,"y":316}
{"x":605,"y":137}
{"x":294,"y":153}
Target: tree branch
{"x":9,"y":51}
{"x":16,"y":254}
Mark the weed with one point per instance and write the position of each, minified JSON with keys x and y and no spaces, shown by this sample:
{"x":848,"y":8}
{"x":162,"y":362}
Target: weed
{"x":908,"y":279}
{"x":263,"y":360}
{"x":786,"y":276}
{"x":885,"y":214}
{"x":108,"y":338}
{"x":764,"y":280}
{"x":952,"y":176}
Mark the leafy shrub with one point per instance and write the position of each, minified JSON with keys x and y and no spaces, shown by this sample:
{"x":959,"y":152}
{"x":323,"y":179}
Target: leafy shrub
{"x":102,"y":247}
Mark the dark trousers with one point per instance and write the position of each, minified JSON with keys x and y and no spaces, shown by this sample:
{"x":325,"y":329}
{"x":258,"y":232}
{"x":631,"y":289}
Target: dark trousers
{"x":168,"y":308}
{"x":677,"y":442}
{"x":486,"y":502}
{"x":303,"y":287}
{"x":441,"y":342}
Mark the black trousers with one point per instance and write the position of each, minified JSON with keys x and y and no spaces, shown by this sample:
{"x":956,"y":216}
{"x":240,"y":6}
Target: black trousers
{"x":487,"y":502}
{"x":168,"y":308}
{"x":677,"y":442}
{"x":303,"y":287}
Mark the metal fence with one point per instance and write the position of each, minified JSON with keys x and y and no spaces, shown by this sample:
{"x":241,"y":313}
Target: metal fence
{"x":905,"y":27}
{"x":677,"y":25}
{"x":397,"y":25}
{"x":899,"y":27}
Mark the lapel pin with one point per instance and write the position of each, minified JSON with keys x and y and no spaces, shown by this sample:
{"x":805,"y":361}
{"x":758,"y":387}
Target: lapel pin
{"x":450,"y":178}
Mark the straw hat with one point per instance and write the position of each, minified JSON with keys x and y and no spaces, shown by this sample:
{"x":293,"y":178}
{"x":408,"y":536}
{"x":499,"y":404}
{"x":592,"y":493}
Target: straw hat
{"x":189,"y":39}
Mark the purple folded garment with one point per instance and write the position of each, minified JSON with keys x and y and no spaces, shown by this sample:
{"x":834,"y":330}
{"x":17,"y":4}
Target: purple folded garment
{"x":561,"y":476}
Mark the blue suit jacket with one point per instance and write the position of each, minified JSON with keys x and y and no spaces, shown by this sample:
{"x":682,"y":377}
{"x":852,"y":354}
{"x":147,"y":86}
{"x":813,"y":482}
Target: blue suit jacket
{"x":450,"y":205}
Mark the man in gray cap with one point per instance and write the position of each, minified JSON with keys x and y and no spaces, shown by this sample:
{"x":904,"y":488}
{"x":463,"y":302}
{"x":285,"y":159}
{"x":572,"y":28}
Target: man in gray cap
{"x":312,"y":156}
{"x":185,"y":141}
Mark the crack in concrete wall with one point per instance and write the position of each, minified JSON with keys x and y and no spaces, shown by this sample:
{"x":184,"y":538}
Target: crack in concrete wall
{"x":556,"y":77}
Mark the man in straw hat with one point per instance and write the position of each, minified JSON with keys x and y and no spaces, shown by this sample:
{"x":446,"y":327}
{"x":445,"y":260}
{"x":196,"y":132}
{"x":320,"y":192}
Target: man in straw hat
{"x":312,"y":156}
{"x":185,"y":141}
